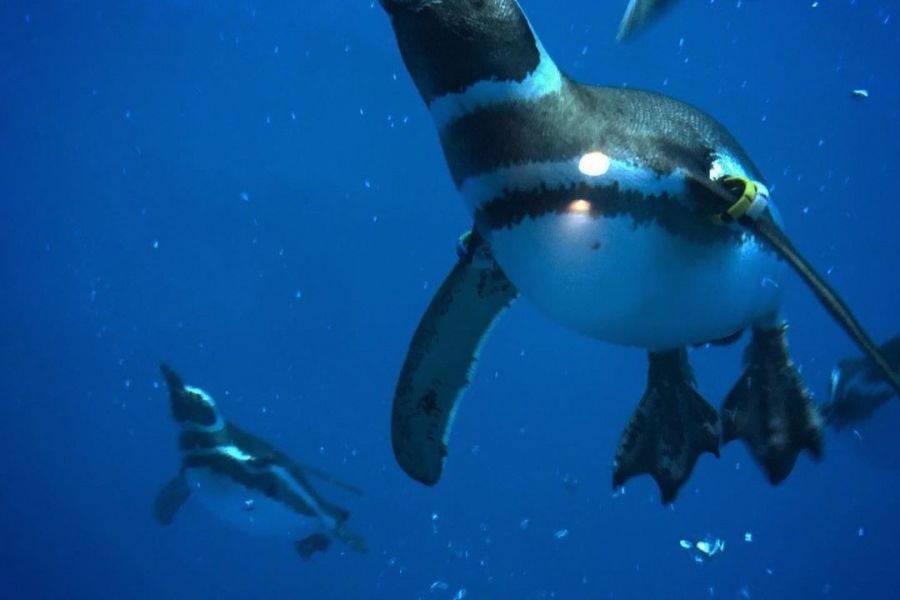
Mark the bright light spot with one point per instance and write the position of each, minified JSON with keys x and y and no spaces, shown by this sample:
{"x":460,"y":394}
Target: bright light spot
{"x":594,"y":164}
{"x":580,"y":206}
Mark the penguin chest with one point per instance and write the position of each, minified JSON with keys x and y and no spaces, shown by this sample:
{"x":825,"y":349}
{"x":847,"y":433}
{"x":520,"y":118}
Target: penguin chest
{"x":623,"y":259}
{"x":638,"y":284}
{"x":246,"y":508}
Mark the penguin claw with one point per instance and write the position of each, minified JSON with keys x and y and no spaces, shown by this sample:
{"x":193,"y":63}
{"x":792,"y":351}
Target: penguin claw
{"x":771,"y":409}
{"x":672,"y":426}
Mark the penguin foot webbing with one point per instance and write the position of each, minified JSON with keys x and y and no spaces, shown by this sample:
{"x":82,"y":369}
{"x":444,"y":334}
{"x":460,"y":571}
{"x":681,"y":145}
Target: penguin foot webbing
{"x":770,"y":408}
{"x":672,"y":426}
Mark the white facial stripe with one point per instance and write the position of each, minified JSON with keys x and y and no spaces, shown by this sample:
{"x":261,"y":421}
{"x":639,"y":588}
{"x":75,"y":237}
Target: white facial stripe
{"x":544,"y":80}
{"x":726,"y":164}
{"x":327,"y":521}
{"x":204,"y":397}
{"x":210,"y":403}
{"x":555,"y":174}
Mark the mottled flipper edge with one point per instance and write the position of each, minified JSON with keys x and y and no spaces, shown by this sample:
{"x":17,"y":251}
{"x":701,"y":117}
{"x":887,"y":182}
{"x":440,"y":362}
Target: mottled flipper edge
{"x":441,"y":359}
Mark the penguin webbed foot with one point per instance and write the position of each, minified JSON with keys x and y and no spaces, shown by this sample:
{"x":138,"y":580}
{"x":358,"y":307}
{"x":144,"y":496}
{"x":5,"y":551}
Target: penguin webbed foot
{"x":770,"y":408}
{"x":317,"y":542}
{"x":672,"y":426}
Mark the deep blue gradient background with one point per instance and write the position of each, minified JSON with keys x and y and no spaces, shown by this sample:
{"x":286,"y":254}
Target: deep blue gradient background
{"x":254,"y":192}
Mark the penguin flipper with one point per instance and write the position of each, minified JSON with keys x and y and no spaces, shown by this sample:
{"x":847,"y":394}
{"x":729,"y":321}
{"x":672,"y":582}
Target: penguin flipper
{"x":672,"y":426}
{"x":771,"y":409}
{"x":170,"y":498}
{"x":317,"y":542}
{"x":442,"y":356}
{"x":639,"y":14}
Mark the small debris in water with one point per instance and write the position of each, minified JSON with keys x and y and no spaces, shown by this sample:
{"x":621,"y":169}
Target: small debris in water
{"x":703,"y":550}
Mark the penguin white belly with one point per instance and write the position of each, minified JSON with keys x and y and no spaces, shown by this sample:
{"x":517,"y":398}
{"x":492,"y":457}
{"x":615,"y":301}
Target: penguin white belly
{"x":638,"y":285}
{"x":247,"y":509}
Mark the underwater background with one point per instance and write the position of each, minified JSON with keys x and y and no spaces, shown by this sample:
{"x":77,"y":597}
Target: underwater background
{"x":254,"y":192}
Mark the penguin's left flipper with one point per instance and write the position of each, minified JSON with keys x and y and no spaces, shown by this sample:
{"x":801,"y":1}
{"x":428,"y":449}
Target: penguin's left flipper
{"x":770,"y":408}
{"x":639,"y":14}
{"x":317,"y":542}
{"x":170,"y":498}
{"x":442,"y":356}
{"x":672,"y":426}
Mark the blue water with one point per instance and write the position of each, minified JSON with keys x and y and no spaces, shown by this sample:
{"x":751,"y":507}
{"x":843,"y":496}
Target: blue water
{"x":253,"y":192}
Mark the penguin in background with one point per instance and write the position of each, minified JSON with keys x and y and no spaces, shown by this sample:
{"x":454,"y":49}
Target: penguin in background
{"x":640,"y":14}
{"x":858,"y":388}
{"x":245,"y":481}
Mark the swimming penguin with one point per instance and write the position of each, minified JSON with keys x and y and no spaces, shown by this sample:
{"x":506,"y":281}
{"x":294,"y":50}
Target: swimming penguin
{"x":858,"y":387}
{"x":625,"y":215}
{"x":641,"y":13}
{"x":245,"y":481}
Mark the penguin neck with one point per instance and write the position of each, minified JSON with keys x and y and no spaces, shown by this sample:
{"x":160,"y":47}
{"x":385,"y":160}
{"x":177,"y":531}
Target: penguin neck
{"x":542,"y":78}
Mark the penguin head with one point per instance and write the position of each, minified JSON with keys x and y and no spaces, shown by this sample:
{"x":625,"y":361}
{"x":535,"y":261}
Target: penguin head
{"x":192,"y":408}
{"x":449,"y":45}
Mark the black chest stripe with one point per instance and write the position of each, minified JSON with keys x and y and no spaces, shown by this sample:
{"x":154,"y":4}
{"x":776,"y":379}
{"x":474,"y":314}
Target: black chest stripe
{"x":662,"y":209}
